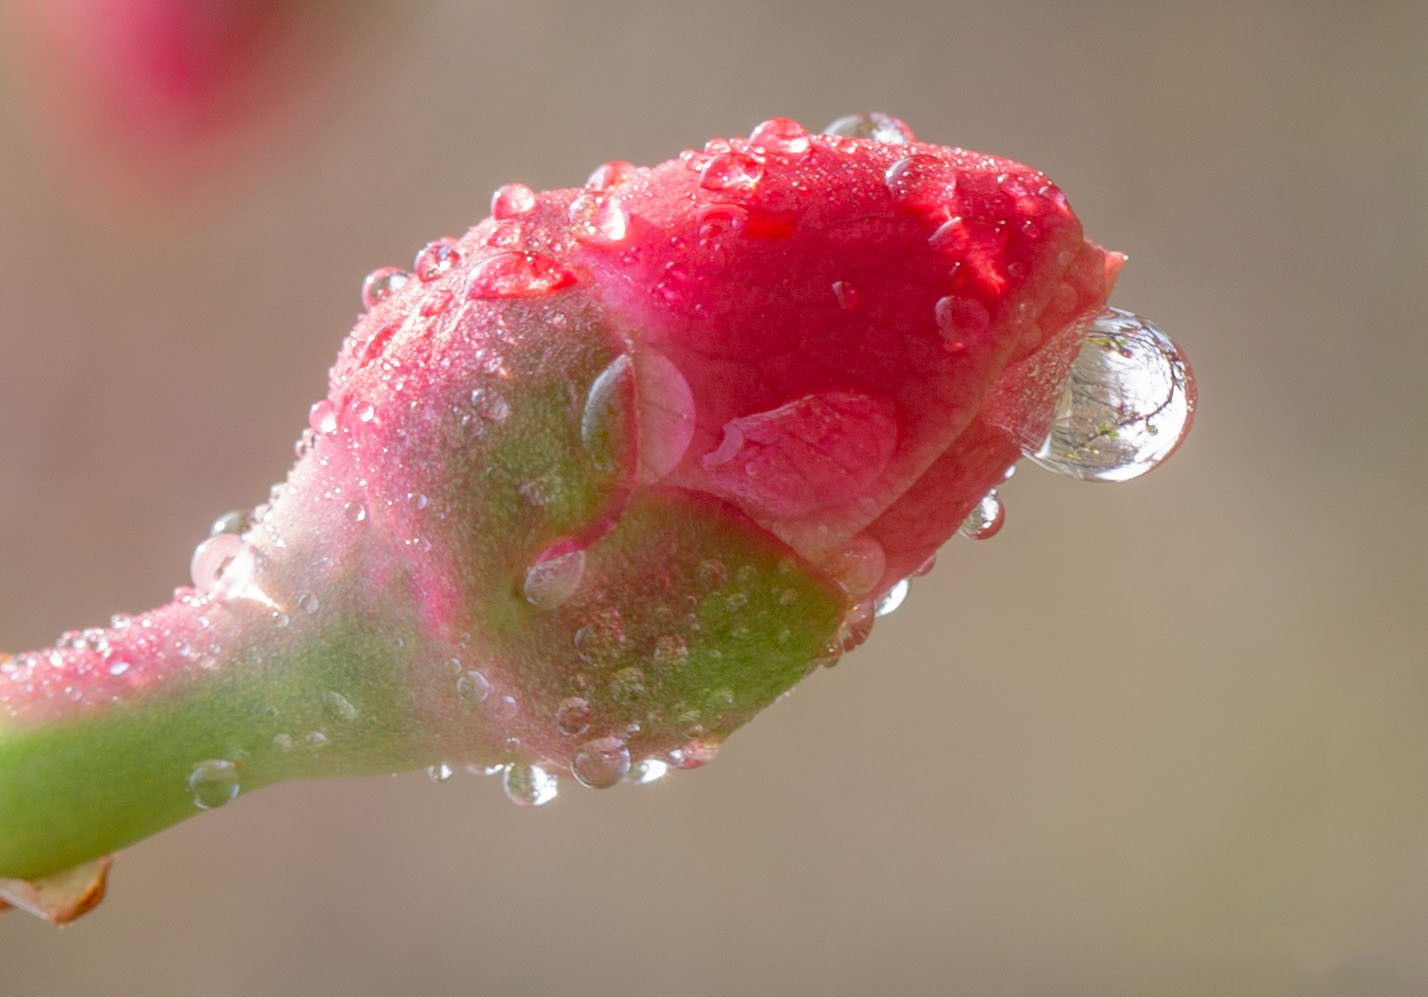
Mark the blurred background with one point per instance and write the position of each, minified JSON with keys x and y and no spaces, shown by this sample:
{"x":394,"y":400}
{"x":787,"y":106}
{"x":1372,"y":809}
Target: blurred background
{"x":1167,"y":737}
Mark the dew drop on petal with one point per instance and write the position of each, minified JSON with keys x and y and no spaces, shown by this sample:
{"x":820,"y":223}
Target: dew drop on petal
{"x":731,"y":172}
{"x":355,"y":512}
{"x":435,"y":258}
{"x":890,"y":600}
{"x":472,"y":688}
{"x":780,"y":136}
{"x":608,"y":175}
{"x":516,"y":275}
{"x":986,"y":518}
{"x":512,"y":200}
{"x":440,"y":772}
{"x":529,"y":785}
{"x":223,"y":566}
{"x":598,"y":219}
{"x":322,"y":417}
{"x":601,"y":762}
{"x":238,"y":521}
{"x":846,"y":294}
{"x":573,"y":716}
{"x":872,"y":125}
{"x":382,"y":283}
{"x":213,"y":783}
{"x":1126,"y":406}
{"x":921,"y":182}
{"x":648,"y":771}
{"x":554,"y":577}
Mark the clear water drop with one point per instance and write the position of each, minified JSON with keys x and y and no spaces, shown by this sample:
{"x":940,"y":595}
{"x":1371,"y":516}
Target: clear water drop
{"x":872,"y":125}
{"x":339,"y":706}
{"x":472,"y":688}
{"x":322,"y":417}
{"x":609,"y":175}
{"x":846,"y":294}
{"x":435,"y":258}
{"x":512,"y":200}
{"x":857,"y":566}
{"x":780,"y":137}
{"x":650,"y":770}
{"x":986,"y":518}
{"x":223,"y":566}
{"x":237,"y":521}
{"x":213,"y":783}
{"x":627,"y":686}
{"x":354,"y":512}
{"x":921,"y":182}
{"x":440,"y":772}
{"x":516,"y":275}
{"x":892,"y":598}
{"x":118,"y":666}
{"x":731,"y":172}
{"x":382,"y":283}
{"x":601,"y":762}
{"x":1126,"y":406}
{"x":529,"y":785}
{"x":309,"y":603}
{"x":573,"y":716}
{"x":598,"y":219}
{"x":554,"y":577}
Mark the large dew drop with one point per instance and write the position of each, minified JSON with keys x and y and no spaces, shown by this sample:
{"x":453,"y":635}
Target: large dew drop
{"x":1126,"y":406}
{"x":529,"y":785}
{"x":213,"y":783}
{"x":871,"y":125}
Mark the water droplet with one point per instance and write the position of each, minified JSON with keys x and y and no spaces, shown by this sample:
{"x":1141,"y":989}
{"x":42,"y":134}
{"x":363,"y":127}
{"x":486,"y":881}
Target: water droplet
{"x":921,"y":182}
{"x":309,"y":603}
{"x":322,"y":417}
{"x":435,"y":258}
{"x":609,"y":175}
{"x":573,"y":716}
{"x":892,"y":598}
{"x":731,"y":172}
{"x":627,"y":686}
{"x":601,"y":762}
{"x":650,"y":770}
{"x":355,"y":512}
{"x":529,"y":785}
{"x":238,"y":521}
{"x":601,"y":637}
{"x":986,"y":518}
{"x":1126,"y":406}
{"x":553,"y":578}
{"x":382,"y":283}
{"x":846,"y":294}
{"x":417,"y":501}
{"x":117,"y":666}
{"x":780,"y":136}
{"x":695,"y":754}
{"x":960,"y":319}
{"x":598,"y":219}
{"x":473,"y":688}
{"x":872,"y":125}
{"x":516,"y":275}
{"x":366,"y":412}
{"x":856,"y":626}
{"x":512,"y":200}
{"x":339,"y":705}
{"x":440,"y":772}
{"x":223,"y":567}
{"x":213,"y":783}
{"x":713,"y":574}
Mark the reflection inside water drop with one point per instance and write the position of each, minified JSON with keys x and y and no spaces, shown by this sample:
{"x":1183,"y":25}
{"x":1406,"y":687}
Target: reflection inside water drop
{"x":529,"y":785}
{"x":1126,"y":406}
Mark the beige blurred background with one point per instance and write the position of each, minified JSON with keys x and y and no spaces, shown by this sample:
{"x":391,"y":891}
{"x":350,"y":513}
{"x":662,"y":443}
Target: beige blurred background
{"x":1164,"y":738}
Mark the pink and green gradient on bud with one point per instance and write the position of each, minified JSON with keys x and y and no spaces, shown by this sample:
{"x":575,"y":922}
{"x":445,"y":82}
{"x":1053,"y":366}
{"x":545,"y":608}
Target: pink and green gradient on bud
{"x":595,"y":483}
